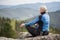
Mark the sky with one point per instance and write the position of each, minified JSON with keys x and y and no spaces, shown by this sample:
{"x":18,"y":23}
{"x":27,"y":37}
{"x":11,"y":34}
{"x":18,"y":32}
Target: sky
{"x":17,"y":2}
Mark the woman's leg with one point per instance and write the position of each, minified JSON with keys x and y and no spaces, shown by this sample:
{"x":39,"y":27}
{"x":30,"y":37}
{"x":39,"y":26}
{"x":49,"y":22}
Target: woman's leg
{"x":45,"y":33}
{"x":34,"y":32}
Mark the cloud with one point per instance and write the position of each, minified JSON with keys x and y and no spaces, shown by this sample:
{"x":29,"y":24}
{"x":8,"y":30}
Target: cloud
{"x":16,"y":2}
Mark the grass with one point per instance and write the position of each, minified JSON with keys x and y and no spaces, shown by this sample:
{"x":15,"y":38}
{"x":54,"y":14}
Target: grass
{"x":54,"y":30}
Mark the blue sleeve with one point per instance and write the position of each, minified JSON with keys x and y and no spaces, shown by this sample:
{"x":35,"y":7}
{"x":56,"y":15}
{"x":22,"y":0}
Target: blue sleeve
{"x":33,"y":21}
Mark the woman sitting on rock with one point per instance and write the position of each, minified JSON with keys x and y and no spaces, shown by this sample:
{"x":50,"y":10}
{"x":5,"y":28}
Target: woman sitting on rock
{"x":42,"y":21}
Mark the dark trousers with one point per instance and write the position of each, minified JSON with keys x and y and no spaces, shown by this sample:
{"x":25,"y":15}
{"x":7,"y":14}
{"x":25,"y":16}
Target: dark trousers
{"x":36,"y":32}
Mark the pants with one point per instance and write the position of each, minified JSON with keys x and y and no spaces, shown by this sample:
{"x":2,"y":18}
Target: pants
{"x":36,"y":32}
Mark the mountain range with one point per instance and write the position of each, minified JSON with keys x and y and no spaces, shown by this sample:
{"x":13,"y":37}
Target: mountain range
{"x":52,"y":6}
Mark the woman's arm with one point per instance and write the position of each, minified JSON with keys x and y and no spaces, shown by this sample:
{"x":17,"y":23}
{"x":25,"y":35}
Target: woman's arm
{"x":33,"y":21}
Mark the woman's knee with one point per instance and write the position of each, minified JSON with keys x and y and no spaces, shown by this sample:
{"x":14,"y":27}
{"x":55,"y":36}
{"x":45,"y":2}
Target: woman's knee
{"x":45,"y":33}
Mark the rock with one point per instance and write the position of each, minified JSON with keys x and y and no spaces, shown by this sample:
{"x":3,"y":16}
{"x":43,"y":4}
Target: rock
{"x":25,"y":36}
{"x":4,"y":38}
{"x":49,"y":37}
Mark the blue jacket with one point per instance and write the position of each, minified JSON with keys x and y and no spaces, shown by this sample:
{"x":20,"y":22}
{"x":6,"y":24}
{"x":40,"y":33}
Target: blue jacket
{"x":46,"y":21}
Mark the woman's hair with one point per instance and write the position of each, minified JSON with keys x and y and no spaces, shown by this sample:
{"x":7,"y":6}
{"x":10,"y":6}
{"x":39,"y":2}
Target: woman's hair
{"x":45,"y":8}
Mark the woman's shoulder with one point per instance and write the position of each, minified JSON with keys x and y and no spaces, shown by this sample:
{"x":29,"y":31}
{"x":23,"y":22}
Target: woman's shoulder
{"x":46,"y":15}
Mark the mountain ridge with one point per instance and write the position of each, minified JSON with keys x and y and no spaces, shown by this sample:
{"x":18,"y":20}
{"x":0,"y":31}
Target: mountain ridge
{"x":53,"y":6}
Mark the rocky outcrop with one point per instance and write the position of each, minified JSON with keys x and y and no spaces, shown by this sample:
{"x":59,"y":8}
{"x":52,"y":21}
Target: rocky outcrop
{"x":49,"y":37}
{"x":27,"y":36}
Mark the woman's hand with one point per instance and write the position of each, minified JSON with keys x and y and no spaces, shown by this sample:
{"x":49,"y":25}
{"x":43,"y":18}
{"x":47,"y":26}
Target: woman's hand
{"x":36,"y":25}
{"x":22,"y":25}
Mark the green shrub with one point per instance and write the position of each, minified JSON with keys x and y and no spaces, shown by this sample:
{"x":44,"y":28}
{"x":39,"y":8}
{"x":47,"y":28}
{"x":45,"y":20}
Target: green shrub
{"x":54,"y":30}
{"x":7,"y":31}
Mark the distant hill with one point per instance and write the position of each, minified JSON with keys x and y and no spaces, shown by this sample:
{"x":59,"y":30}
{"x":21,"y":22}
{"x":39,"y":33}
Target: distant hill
{"x":52,"y":6}
{"x":5,"y":6}
{"x":55,"y":19}
{"x":18,"y":13}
